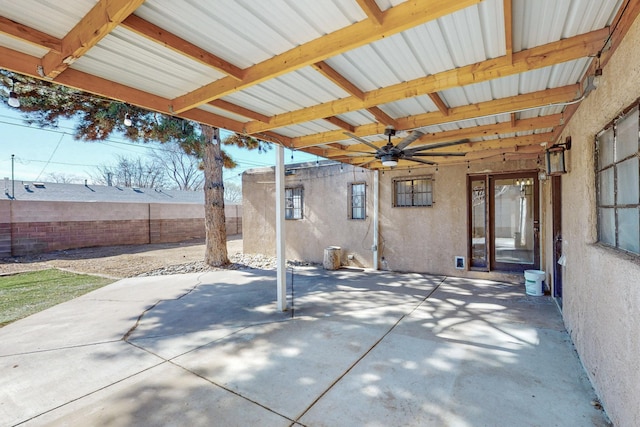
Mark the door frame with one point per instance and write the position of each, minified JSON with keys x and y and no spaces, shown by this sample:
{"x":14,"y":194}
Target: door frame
{"x":556,"y":213}
{"x":489,"y":179}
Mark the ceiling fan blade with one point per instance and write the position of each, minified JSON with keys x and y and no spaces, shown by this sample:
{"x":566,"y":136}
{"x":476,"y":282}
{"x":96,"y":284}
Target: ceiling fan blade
{"x":364,"y":141}
{"x":411,"y":151}
{"x":426,"y":162}
{"x":409,"y":139}
{"x":439,"y":154}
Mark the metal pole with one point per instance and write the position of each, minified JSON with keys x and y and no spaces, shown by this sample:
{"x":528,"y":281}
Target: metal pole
{"x":13,"y":181}
{"x":281,"y":276}
{"x":376,"y":209}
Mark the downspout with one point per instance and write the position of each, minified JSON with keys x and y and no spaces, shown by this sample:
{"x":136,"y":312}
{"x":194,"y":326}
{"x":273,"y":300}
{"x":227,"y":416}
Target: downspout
{"x":376,"y":208}
{"x":281,"y":275}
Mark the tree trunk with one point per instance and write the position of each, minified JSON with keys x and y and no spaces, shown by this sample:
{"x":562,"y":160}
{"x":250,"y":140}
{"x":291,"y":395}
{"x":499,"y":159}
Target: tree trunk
{"x":214,"y":219}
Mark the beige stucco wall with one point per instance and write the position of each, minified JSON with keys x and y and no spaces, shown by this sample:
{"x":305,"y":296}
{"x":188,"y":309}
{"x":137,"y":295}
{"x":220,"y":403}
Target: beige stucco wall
{"x":601,"y":304}
{"x":417,"y":239}
{"x":325,"y":221}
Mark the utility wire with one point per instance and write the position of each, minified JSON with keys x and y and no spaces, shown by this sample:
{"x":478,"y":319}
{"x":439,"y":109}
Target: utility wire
{"x":51,"y":156}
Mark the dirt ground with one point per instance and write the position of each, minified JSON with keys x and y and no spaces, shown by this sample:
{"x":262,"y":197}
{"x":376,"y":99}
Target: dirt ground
{"x":117,"y":261}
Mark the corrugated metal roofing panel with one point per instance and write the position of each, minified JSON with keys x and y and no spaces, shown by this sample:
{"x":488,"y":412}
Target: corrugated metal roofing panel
{"x":358,"y":118}
{"x":467,"y":36}
{"x":268,"y":27}
{"x":306,"y":128}
{"x":409,"y":107}
{"x":20,"y":46}
{"x":538,"y":22}
{"x":127,"y":58}
{"x":292,"y":91}
{"x":53,"y":17}
{"x":224,"y":113}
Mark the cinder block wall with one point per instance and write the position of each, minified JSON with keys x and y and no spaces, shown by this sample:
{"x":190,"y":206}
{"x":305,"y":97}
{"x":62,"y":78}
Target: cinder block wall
{"x":31,"y":227}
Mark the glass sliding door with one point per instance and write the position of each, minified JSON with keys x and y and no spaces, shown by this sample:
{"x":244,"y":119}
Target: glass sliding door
{"x":503,"y":222}
{"x":514,"y":234}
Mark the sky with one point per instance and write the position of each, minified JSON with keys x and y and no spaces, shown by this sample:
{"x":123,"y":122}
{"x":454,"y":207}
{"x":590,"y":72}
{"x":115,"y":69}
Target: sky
{"x":39,"y":152}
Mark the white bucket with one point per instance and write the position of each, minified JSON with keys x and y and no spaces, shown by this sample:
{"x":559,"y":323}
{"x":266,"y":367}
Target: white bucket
{"x":533,"y":280}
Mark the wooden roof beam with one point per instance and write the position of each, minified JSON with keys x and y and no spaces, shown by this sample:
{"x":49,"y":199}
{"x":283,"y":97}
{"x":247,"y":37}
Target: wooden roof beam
{"x":530,"y":59}
{"x":442,"y":107}
{"x":93,"y":27}
{"x":396,"y":19}
{"x":508,"y":29}
{"x":383,"y":117}
{"x":29,"y":35}
{"x":181,"y":46}
{"x":341,"y":123}
{"x":236,"y":109}
{"x":337,"y":78}
{"x":370,"y":7}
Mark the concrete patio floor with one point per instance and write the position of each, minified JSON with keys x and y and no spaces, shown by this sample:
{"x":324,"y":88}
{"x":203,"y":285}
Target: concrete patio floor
{"x":356,"y":348}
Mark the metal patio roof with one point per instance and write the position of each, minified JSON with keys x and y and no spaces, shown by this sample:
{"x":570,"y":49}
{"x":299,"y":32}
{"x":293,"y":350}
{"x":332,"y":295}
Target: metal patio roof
{"x":502,"y":76}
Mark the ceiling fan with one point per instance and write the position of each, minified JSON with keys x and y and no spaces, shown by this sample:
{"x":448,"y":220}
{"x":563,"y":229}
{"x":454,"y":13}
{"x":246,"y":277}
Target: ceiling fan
{"x":390,"y":154}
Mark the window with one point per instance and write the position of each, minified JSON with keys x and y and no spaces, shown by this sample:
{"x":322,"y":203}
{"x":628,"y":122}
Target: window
{"x":618,"y":183}
{"x":358,"y":201}
{"x":413,"y":192}
{"x":293,"y":203}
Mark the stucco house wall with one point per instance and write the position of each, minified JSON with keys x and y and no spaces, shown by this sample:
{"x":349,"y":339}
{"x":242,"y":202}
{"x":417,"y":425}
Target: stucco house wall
{"x":601,"y":296}
{"x":325,"y":219}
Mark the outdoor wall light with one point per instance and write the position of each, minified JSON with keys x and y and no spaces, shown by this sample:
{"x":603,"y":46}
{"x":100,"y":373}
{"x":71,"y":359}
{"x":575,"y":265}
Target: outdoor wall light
{"x":556,"y":164}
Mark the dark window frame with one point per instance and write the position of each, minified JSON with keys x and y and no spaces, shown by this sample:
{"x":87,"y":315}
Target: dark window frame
{"x":294,"y":203}
{"x":411,"y":198}
{"x":609,"y":168}
{"x":362,"y":201}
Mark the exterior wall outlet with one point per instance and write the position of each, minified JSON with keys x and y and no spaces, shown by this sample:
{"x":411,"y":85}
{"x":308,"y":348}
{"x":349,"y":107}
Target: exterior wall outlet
{"x":459,"y":263}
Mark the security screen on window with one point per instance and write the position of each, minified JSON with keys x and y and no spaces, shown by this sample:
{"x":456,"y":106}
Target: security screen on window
{"x":293,"y":203}
{"x":618,"y":183}
{"x":413,"y":192}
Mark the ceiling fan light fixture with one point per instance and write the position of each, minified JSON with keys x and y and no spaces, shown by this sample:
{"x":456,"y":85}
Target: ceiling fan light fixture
{"x":389,"y":161}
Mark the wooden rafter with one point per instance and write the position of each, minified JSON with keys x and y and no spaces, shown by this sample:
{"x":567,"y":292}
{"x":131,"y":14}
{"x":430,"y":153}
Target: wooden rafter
{"x":95,"y":25}
{"x":383,"y":117}
{"x":370,"y":7}
{"x":538,"y":57}
{"x":180,"y":45}
{"x":337,"y":78}
{"x":224,"y":105}
{"x":341,"y":123}
{"x":395,"y":20}
{"x":29,"y":35}
{"x":508,"y":28}
{"x":442,"y":107}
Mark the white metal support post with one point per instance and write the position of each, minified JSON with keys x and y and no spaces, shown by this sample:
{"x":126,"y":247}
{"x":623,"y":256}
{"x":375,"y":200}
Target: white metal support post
{"x":281,"y":276}
{"x":376,"y":208}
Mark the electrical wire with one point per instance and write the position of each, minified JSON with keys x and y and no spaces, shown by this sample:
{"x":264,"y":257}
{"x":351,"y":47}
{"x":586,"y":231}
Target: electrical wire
{"x":51,"y":156}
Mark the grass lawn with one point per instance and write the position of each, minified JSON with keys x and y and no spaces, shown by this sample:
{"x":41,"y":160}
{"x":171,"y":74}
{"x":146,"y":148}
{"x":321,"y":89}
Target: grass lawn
{"x":27,"y":293}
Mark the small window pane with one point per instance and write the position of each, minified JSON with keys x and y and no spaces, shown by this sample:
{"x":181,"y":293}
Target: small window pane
{"x":606,"y":188}
{"x":627,"y":135}
{"x":628,"y":182}
{"x":629,"y":229}
{"x":605,"y":148}
{"x":358,"y":201}
{"x":607,"y":226}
